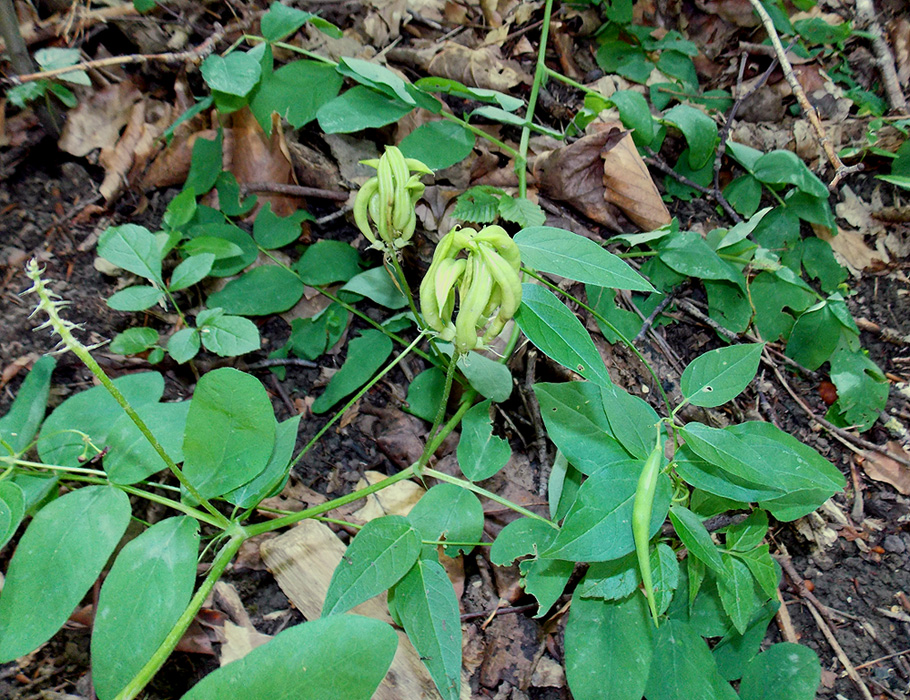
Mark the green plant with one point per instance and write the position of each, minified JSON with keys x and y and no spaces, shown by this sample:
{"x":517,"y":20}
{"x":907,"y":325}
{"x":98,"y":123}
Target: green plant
{"x":621,"y":470}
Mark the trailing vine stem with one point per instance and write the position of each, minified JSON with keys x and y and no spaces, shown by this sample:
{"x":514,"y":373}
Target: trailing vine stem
{"x":625,"y":341}
{"x":147,"y":672}
{"x":50,"y":304}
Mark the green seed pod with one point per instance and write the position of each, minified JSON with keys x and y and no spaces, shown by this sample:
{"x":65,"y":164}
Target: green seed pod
{"x":484,"y":269}
{"x":384,"y":206}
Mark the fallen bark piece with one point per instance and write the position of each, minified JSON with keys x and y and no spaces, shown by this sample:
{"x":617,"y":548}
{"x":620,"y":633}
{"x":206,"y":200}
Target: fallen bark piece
{"x":303,"y":561}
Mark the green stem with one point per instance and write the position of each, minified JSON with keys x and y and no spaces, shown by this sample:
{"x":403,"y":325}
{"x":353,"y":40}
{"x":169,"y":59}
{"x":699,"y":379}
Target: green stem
{"x":502,"y":145}
{"x":566,"y":80}
{"x":174,"y":304}
{"x":13,"y":462}
{"x":403,"y":282}
{"x":354,"y":399}
{"x":625,"y":341}
{"x":63,"y":330}
{"x":222,"y":559}
{"x":289,"y":47}
{"x":200,"y":515}
{"x":269,"y":526}
{"x":428,"y":450}
{"x":442,"y":476}
{"x":539,"y":73}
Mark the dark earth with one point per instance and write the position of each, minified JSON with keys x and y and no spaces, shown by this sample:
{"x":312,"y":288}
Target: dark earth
{"x":861,"y":573}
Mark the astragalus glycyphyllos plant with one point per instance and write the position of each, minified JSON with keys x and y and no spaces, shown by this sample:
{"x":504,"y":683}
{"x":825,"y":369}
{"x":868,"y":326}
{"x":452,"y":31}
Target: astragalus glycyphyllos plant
{"x":621,"y":470}
{"x":653,"y":596}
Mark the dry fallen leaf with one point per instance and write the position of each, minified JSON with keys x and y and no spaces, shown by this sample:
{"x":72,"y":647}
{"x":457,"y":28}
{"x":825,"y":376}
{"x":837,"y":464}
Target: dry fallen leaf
{"x":239,"y":641}
{"x":238,"y":636}
{"x":482,"y":67}
{"x":303,"y":561}
{"x":97,"y":121}
{"x":882,"y":468}
{"x":851,"y":250}
{"x":118,"y":160}
{"x":602,"y":175}
{"x":383,"y":21}
{"x":252,"y":156}
{"x":899,"y":30}
{"x":397,"y":499}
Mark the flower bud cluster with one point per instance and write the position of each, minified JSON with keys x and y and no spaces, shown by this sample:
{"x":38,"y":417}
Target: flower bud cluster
{"x":384,"y":206}
{"x":487,"y":279}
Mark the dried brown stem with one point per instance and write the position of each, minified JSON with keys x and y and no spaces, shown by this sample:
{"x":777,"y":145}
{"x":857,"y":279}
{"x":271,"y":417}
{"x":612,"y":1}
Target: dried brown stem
{"x":293,"y":190}
{"x":845,"y":434}
{"x":840,"y":170}
{"x":865,"y":12}
{"x":195,"y":55}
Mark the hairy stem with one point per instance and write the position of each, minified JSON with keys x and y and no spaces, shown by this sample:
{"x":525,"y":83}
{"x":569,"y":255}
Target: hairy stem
{"x":222,"y":559}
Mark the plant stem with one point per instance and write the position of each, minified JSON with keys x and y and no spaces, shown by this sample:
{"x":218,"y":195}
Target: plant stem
{"x":442,"y":476}
{"x":412,"y":471}
{"x":63,"y":329}
{"x":625,"y":341}
{"x":440,"y":414}
{"x":572,"y":83}
{"x":222,"y":559}
{"x":522,"y":159}
{"x":200,"y":515}
{"x":12,"y":461}
{"x":406,"y":289}
{"x":354,"y":399}
{"x":502,"y":145}
{"x":260,"y":528}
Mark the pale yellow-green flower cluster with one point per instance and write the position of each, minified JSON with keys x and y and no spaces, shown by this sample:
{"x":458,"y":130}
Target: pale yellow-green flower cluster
{"x":384,"y":206}
{"x":488,"y":282}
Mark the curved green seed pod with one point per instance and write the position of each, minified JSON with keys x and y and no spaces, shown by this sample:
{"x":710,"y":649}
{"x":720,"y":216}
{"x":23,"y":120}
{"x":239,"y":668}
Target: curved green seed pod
{"x":385,"y":199}
{"x":361,"y":208}
{"x":508,"y":280}
{"x":417,"y":166}
{"x":501,"y":241}
{"x":470,"y":313}
{"x":642,"y":507}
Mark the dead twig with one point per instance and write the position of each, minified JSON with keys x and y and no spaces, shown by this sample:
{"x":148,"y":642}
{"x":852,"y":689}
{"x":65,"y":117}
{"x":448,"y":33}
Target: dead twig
{"x":656,"y":161}
{"x":648,"y":322}
{"x":845,"y":434}
{"x":785,"y":622}
{"x":819,"y":613}
{"x":195,"y":55}
{"x":865,"y":12}
{"x":292,"y":190}
{"x":840,"y":170}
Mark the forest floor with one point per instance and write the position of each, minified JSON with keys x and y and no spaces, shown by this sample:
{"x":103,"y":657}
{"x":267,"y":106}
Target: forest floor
{"x":850,"y":577}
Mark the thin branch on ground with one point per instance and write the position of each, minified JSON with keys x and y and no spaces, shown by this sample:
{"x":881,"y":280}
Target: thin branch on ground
{"x":292,"y":190}
{"x":820,"y":614}
{"x":847,"y":435}
{"x":865,"y":12}
{"x":658,"y":310}
{"x":196,"y":55}
{"x":839,"y":651}
{"x":656,"y":161}
{"x":840,"y":170}
{"x":731,"y":117}
{"x":785,"y":622}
